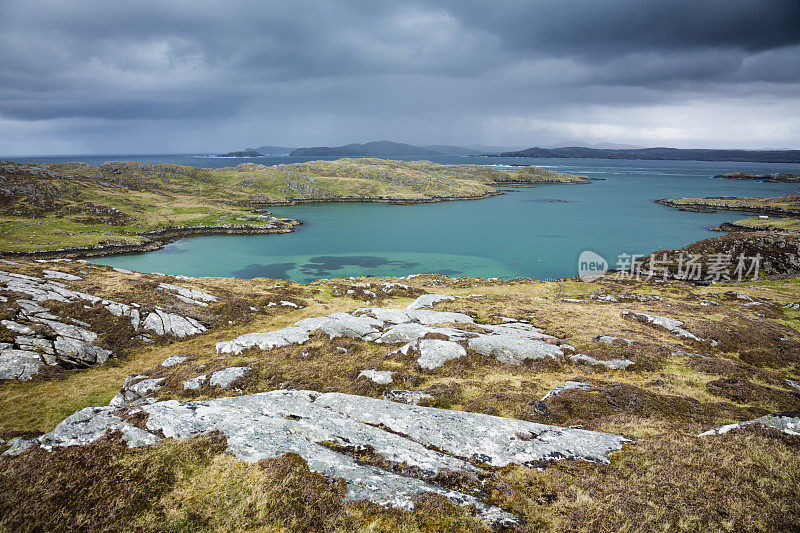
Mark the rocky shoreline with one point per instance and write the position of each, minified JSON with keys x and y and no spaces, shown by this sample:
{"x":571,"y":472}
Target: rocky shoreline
{"x":697,"y":207}
{"x":371,"y":199}
{"x":775,"y":177}
{"x":155,"y":240}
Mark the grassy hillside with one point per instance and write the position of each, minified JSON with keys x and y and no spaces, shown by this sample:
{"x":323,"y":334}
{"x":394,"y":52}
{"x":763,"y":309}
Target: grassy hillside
{"x":677,"y":387}
{"x":54,"y":206}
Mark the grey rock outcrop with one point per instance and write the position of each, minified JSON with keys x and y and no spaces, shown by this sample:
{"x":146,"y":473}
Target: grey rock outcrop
{"x":224,"y":378}
{"x":567,"y":386}
{"x":514,"y":349}
{"x":611,"y":364}
{"x":426,"y":439}
{"x":20,"y":364}
{"x":412,"y":397}
{"x":189,"y":296}
{"x":135,"y":388}
{"x":194,"y":383}
{"x":511,"y":342}
{"x":381,"y":377}
{"x":62,"y":340}
{"x":788,"y":422}
{"x":173,"y":360}
{"x":670,"y":324}
{"x":429,"y":300}
{"x":163,"y":323}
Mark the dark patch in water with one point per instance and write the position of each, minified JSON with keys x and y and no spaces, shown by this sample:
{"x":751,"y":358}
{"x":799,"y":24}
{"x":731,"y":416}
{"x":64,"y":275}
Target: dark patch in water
{"x":550,"y":201}
{"x":272,"y":270}
{"x":320,"y":266}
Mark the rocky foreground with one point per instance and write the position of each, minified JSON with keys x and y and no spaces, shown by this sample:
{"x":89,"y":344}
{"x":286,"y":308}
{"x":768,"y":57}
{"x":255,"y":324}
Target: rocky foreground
{"x":422,"y":403}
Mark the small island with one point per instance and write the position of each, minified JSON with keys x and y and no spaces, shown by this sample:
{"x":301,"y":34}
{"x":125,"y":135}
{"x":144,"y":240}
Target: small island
{"x":242,"y":153}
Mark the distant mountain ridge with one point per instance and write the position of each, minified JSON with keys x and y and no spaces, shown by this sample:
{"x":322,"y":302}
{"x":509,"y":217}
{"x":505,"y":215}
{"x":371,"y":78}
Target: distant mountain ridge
{"x":673,"y":154}
{"x":270,"y":150}
{"x":370,"y":149}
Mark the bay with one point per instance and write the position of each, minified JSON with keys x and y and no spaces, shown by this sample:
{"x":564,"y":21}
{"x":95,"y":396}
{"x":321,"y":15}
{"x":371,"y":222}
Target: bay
{"x":538,"y":231}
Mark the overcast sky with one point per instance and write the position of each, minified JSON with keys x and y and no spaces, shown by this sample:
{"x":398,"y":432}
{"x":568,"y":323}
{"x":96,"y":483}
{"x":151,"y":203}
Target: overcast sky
{"x":169,"y":76}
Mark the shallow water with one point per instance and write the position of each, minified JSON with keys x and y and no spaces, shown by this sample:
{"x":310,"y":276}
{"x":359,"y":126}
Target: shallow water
{"x":537,"y":232}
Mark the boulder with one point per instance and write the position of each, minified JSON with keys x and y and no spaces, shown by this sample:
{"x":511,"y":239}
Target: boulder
{"x":265,"y":341}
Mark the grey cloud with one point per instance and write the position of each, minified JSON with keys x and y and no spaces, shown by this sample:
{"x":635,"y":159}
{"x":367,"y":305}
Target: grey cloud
{"x":384,"y":66}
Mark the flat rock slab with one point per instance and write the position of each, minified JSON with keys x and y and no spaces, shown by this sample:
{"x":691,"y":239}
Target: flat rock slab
{"x":513,"y":342}
{"x":429,"y":300}
{"x":672,"y":325}
{"x":427,"y":439}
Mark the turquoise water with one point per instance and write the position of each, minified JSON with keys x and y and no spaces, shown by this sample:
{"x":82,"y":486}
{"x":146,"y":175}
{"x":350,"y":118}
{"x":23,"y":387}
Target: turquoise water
{"x":521,"y":233}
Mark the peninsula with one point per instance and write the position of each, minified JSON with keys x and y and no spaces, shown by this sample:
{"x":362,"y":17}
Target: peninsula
{"x":74,"y":209}
{"x":780,"y":213}
{"x":774,"y":177}
{"x":669,"y":154}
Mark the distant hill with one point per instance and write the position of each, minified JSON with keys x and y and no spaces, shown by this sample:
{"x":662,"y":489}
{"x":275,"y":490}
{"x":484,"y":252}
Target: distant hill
{"x":370,"y":149}
{"x":270,"y":150}
{"x":678,"y":154}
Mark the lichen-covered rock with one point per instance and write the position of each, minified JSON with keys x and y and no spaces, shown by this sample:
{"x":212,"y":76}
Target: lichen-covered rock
{"x":55,"y":274}
{"x":136,"y":387}
{"x":611,"y":364}
{"x":429,"y":300}
{"x":342,"y":325}
{"x":381,"y":377}
{"x":173,"y":360}
{"x":224,"y":378}
{"x":164,"y":323}
{"x":670,"y":324}
{"x":567,"y":386}
{"x":425,"y":439}
{"x":788,"y":422}
{"x":20,"y":364}
{"x":189,"y":296}
{"x":514,"y":349}
{"x":265,"y":341}
{"x":412,"y":397}
{"x":194,"y":383}
{"x":433,"y":353}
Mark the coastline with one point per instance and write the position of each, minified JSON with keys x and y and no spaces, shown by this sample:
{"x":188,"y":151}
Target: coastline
{"x":158,"y":238}
{"x":707,"y":207}
{"x":155,"y":240}
{"x":370,"y":199}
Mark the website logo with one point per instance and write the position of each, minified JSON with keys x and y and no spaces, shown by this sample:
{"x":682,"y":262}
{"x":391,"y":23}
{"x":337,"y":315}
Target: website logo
{"x":591,"y":266}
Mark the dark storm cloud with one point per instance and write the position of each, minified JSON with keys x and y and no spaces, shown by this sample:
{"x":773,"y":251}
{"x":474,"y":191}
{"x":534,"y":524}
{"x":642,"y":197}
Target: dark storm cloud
{"x":384,"y":66}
